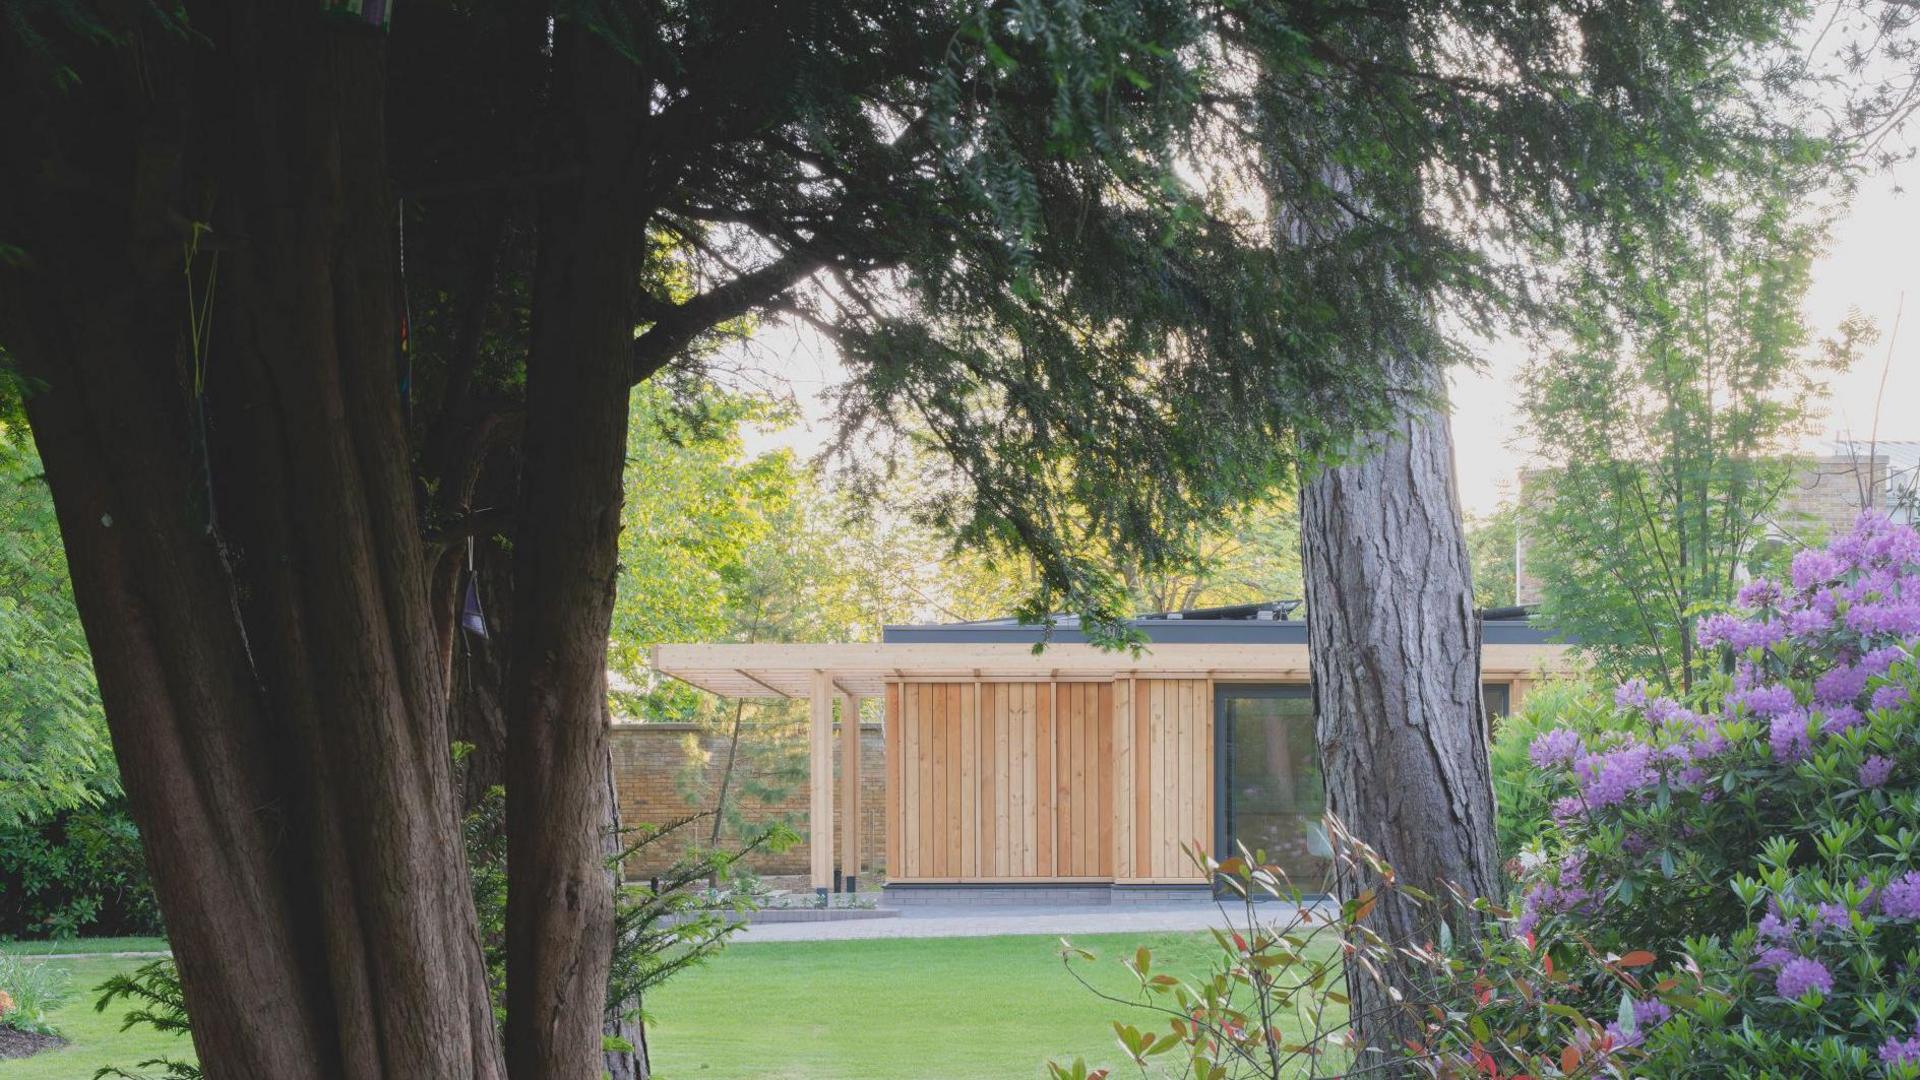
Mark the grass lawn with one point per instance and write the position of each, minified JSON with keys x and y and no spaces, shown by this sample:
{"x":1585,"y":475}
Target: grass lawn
{"x":89,"y":946}
{"x":93,"y":1039}
{"x":934,"y":1008}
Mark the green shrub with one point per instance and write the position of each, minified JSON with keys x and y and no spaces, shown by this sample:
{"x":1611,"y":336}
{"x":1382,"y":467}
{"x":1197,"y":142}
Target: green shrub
{"x":29,"y":990}
{"x":1764,"y":840}
{"x":81,"y":872}
{"x":1275,"y":1001}
{"x":1525,"y":805}
{"x":157,"y":1001}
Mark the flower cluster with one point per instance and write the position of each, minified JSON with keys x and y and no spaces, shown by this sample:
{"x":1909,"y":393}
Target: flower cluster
{"x":1899,"y":1051}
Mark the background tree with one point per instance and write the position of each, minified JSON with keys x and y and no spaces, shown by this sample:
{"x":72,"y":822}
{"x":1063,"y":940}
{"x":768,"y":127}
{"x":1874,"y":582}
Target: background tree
{"x":1490,"y":546}
{"x":54,"y":752}
{"x":1669,"y":420}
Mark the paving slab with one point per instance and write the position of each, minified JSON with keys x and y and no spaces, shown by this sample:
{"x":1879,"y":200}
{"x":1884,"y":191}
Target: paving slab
{"x":980,"y":920}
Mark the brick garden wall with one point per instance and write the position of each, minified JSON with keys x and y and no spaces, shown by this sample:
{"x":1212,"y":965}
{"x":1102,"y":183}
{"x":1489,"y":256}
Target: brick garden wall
{"x":650,"y":775}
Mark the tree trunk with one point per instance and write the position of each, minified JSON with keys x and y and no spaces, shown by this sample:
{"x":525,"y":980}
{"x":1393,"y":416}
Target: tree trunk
{"x":239,"y":519}
{"x":1395,"y":651}
{"x":559,"y":903}
{"x":623,"y":1021}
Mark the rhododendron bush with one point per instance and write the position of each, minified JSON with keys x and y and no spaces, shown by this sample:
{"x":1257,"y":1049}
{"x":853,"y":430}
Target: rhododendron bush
{"x":1762,"y":839}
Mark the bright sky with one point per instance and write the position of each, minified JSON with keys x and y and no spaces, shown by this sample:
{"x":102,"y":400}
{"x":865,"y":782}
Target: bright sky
{"x":1871,"y":262}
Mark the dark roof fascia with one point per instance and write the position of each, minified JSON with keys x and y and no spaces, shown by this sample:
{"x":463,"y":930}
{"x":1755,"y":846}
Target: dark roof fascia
{"x":1170,"y":632}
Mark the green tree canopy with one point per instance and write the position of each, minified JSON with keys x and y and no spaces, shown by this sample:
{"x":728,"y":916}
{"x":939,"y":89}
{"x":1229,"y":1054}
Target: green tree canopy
{"x":54,"y":751}
{"x":1670,"y":419}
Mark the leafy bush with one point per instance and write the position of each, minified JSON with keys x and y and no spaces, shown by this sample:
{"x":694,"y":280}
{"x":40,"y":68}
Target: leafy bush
{"x":158,"y":1001}
{"x":1275,"y":1001}
{"x":1525,"y":806}
{"x":29,"y":990}
{"x":1764,"y":838}
{"x":81,"y":872}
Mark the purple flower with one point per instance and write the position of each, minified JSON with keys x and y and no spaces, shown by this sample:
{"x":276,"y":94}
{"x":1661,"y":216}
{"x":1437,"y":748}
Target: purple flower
{"x":1662,"y":711}
{"x":1760,"y":592}
{"x":1830,"y":916}
{"x":1840,"y":685}
{"x":1607,"y":778}
{"x":1841,"y":718}
{"x":1553,"y":747}
{"x":1647,"y":1015}
{"x":1899,"y":1051}
{"x":1764,"y":700}
{"x":1773,"y":928}
{"x":1631,"y":694}
{"x":1801,"y":975}
{"x":1885,"y":618}
{"x":1890,"y":696}
{"x":1788,"y":738}
{"x":1875,"y":770}
{"x":1812,"y":567}
{"x":1901,"y":898}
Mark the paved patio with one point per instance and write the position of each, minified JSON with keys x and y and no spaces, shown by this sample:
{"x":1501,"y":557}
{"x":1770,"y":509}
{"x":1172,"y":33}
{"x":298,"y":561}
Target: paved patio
{"x":991,"y":920}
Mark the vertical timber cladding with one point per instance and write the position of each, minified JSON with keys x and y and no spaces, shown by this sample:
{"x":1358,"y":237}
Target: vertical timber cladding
{"x":991,"y":780}
{"x":1163,"y":752}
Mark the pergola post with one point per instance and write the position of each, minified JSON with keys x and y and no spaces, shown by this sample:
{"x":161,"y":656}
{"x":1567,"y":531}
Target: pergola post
{"x":820,"y":803}
{"x":850,"y":790}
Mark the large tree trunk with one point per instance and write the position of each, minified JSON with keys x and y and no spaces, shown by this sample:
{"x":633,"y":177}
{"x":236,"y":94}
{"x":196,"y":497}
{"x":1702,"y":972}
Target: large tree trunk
{"x":1395,"y":651}
{"x":559,"y":902}
{"x":241,"y":529}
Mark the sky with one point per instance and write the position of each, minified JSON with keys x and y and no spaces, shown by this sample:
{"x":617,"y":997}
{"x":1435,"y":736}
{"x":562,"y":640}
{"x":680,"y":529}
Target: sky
{"x":1872,"y":262}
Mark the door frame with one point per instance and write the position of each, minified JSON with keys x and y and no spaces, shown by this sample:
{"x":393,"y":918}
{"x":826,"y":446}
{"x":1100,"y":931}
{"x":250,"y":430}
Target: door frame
{"x":1222,"y":732}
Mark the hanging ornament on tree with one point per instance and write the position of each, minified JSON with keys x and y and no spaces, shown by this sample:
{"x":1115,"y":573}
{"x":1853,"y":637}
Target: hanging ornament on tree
{"x":472,"y":618}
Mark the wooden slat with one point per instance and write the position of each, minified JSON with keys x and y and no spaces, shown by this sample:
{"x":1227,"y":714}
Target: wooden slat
{"x":1103,"y":717}
{"x":1142,"y":783}
{"x":956,"y":704}
{"x":1004,"y":802}
{"x":970,"y":781}
{"x":1046,"y":770}
{"x":1207,"y":793}
{"x":924,"y":754}
{"x":1189,"y":773}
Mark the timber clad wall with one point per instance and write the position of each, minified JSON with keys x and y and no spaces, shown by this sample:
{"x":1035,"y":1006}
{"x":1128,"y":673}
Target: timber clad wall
{"x":650,"y":763}
{"x":1053,"y":780}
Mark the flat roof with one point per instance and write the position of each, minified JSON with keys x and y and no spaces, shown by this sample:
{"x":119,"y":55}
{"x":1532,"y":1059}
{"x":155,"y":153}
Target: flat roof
{"x":1169,"y":631}
{"x":864,"y":669}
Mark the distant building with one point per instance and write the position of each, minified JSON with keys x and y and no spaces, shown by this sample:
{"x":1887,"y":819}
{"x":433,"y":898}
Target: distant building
{"x":1829,"y":493}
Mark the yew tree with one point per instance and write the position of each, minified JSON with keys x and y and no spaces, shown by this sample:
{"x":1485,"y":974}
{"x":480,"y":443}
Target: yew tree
{"x":1038,"y":232}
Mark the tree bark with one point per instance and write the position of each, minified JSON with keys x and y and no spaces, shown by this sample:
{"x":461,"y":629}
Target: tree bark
{"x":623,"y":1021}
{"x":559,"y":902}
{"x":240,"y":525}
{"x":1395,"y":655}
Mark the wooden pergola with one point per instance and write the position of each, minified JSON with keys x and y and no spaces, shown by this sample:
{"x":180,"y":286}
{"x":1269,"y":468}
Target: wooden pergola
{"x":851,"y":673}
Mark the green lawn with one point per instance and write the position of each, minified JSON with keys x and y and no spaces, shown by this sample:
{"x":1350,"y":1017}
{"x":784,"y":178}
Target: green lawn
{"x":90,"y":946}
{"x":935,"y":1008}
{"x":93,"y":1039}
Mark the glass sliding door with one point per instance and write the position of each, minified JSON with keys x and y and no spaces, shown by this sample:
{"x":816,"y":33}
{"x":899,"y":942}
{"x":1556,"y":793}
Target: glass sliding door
{"x":1271,"y":794}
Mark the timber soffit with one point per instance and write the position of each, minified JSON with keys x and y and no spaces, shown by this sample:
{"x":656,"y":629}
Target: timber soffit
{"x":783,"y":670}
